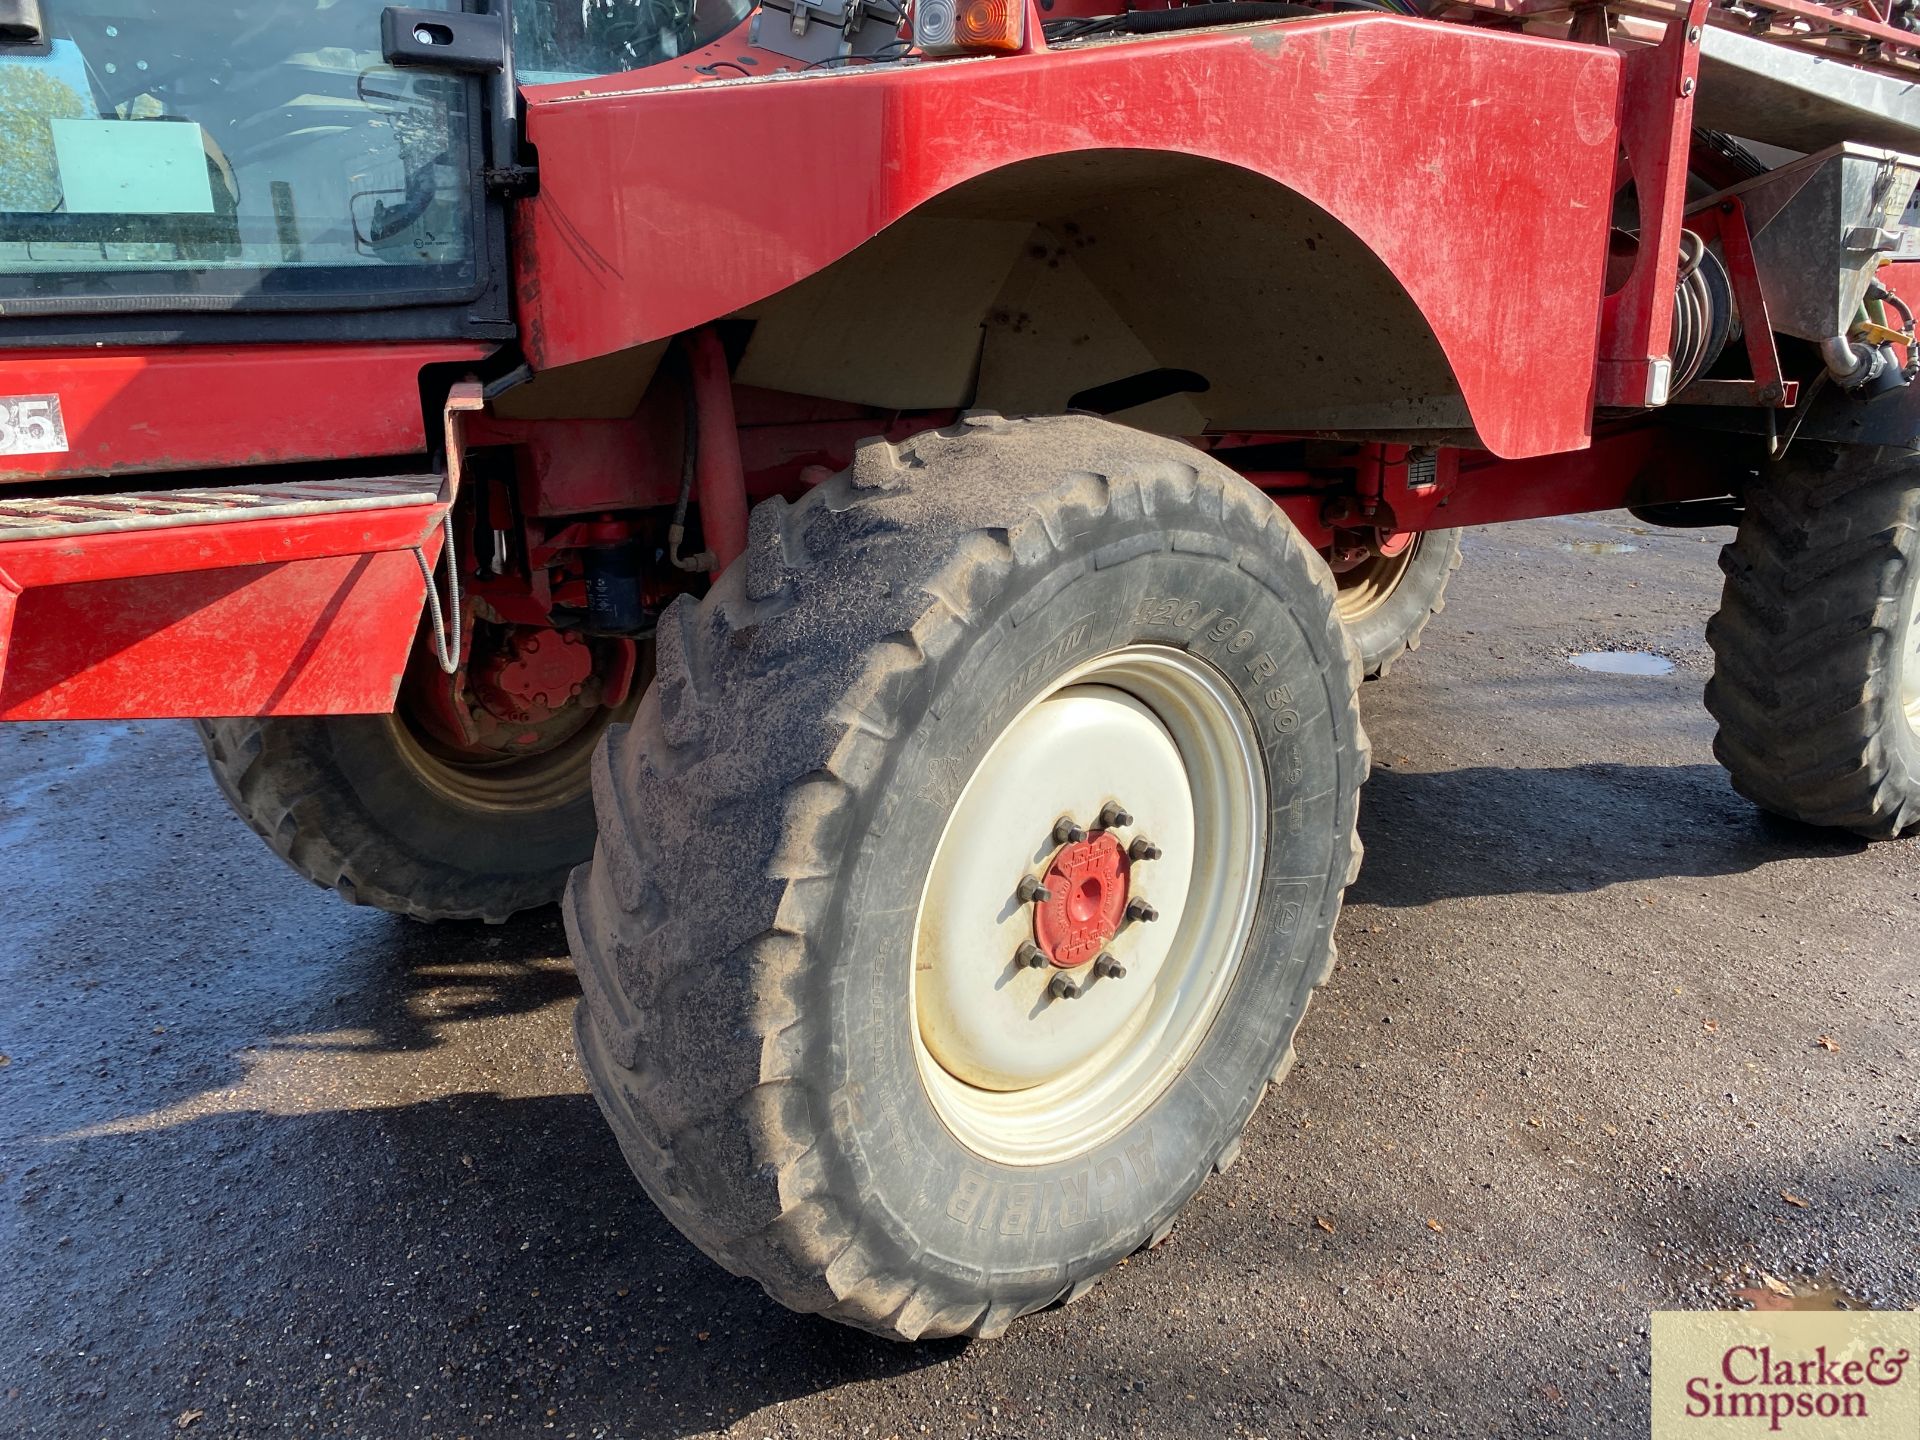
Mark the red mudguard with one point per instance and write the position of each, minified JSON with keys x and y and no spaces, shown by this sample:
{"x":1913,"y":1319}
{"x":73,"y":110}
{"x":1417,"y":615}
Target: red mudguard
{"x":1478,"y":166}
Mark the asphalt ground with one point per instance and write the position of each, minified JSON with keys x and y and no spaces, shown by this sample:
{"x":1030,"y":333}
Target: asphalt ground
{"x":1603,"y":1040}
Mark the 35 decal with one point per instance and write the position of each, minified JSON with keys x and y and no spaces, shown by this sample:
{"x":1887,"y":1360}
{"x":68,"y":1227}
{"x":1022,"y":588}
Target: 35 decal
{"x":32,"y":425}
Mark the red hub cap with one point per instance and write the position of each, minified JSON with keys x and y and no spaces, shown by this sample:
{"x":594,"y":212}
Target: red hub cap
{"x":1392,"y":545}
{"x":534,"y":676}
{"x":1088,"y":881}
{"x":520,"y":691}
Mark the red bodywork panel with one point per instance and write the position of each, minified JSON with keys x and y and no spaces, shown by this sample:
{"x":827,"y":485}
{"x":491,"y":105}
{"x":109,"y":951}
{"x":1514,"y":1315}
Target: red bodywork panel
{"x":254,"y":617}
{"x":304,"y":616}
{"x":660,"y":210}
{"x":190,"y":407}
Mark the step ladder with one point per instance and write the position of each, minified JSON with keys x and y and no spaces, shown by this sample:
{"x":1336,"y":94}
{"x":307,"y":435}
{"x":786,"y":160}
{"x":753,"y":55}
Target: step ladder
{"x":291,"y":598}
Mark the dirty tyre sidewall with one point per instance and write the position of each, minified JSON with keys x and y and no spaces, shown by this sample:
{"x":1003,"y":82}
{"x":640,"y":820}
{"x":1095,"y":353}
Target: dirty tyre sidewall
{"x":997,"y":1227}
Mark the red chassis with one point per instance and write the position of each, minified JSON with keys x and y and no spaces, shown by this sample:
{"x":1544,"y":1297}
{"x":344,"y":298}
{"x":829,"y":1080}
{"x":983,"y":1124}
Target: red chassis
{"x":1360,"y":272}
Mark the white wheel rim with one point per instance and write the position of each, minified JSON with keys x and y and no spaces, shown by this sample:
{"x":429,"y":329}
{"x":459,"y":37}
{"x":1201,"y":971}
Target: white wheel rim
{"x":1910,"y":663}
{"x":1026,"y":1079}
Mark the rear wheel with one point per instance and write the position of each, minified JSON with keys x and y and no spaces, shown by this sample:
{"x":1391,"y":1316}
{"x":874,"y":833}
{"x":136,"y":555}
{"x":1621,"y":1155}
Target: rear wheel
{"x":472,"y":801}
{"x":1816,"y":679}
{"x":1386,"y":599}
{"x":965,"y":874}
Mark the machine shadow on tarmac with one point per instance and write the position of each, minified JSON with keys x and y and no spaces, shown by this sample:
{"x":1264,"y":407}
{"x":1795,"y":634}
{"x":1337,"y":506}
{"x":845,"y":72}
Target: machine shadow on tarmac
{"x":1492,"y":830}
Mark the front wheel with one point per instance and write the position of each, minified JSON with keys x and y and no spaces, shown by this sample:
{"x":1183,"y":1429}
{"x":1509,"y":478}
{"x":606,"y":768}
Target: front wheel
{"x":965,"y":874}
{"x":472,"y":801}
{"x":1387,"y":598}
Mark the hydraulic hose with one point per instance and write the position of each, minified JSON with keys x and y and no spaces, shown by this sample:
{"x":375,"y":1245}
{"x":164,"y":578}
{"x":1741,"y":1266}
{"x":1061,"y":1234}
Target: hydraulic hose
{"x":689,"y":458}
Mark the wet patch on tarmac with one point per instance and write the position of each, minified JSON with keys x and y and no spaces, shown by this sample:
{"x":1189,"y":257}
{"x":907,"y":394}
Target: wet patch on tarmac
{"x":1622,"y":662}
{"x":1818,"y":1292}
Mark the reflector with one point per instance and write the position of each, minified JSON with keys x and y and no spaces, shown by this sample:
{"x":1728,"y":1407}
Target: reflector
{"x":968,"y":27}
{"x":933,"y":26}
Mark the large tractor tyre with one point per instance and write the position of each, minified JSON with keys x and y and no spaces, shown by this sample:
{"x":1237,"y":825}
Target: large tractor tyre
{"x":1816,"y":684}
{"x":846,"y":1046}
{"x":386,"y":813}
{"x":1387,"y":600}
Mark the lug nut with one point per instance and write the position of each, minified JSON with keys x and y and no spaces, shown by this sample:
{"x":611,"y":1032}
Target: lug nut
{"x":1108,"y":968}
{"x":1064,"y":987}
{"x":1143,"y":849}
{"x":1031,"y":889}
{"x":1138,"y":909}
{"x":1029,"y":956}
{"x":1068,"y":831}
{"x":1113,"y":815}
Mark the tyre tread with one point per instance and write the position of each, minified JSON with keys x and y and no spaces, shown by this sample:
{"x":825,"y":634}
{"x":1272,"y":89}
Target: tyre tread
{"x":272,"y":776}
{"x":1805,"y":645}
{"x":1384,"y":653}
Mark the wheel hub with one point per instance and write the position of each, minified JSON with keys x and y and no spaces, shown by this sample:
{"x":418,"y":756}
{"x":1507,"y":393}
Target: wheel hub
{"x":536,"y":674}
{"x":523,"y":691}
{"x":511,"y":728}
{"x":991,"y":1016}
{"x":1368,"y":574}
{"x":1089,"y":883}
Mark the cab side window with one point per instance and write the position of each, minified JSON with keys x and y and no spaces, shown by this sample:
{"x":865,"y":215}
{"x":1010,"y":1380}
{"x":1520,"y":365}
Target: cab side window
{"x":555,"y":40}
